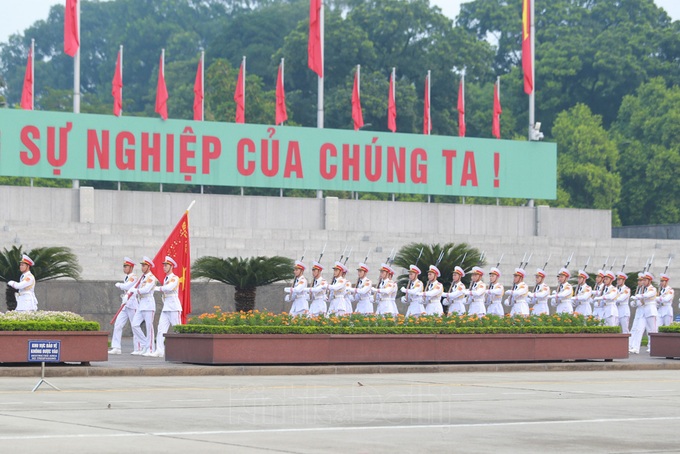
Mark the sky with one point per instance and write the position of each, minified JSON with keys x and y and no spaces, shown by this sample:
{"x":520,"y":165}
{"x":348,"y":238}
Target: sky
{"x":16,"y":16}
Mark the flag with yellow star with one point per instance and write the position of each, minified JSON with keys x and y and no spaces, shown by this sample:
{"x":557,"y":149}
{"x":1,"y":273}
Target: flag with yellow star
{"x":177,"y":246}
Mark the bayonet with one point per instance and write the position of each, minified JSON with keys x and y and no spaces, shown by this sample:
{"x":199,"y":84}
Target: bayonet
{"x":322,"y":251}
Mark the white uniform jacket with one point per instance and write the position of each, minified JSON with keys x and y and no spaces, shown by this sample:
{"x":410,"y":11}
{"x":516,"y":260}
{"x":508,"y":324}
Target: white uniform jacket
{"x":127,"y":286}
{"x":433,"y":297}
{"x":494,"y":296}
{"x":584,"y":294}
{"x":455,"y":299}
{"x":476,"y":295}
{"x":26,"y":300}
{"x":539,"y":299}
{"x":145,"y":292}
{"x":622,"y":301}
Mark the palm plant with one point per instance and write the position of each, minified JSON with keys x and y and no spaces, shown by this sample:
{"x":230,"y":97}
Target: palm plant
{"x":453,"y":256}
{"x":50,"y":263}
{"x":244,"y":274}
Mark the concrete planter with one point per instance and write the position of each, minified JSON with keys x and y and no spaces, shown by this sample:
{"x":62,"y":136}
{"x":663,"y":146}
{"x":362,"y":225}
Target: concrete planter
{"x":395,"y":348}
{"x":76,"y":346}
{"x":666,"y":345}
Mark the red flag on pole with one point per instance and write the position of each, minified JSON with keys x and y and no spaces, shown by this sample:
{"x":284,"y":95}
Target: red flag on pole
{"x":314,"y":45}
{"x":392,"y":106}
{"x":240,"y":94}
{"x":117,"y":85}
{"x":198,"y":92}
{"x":357,"y":115}
{"x":71,"y":32}
{"x":461,"y":107}
{"x":427,"y":121}
{"x":527,"y":56}
{"x":177,"y":246}
{"x":161,"y":90}
{"x":27,"y":93}
{"x":281,"y":114}
{"x":496,"y":125}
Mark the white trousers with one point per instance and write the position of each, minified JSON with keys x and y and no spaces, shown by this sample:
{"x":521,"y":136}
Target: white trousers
{"x":145,"y":340}
{"x":168,"y":319}
{"x":625,"y":323}
{"x":126,"y":315}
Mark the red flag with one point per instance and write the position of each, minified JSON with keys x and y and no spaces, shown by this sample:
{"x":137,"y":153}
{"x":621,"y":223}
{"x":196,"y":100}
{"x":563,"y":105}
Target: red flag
{"x":161,"y":92}
{"x":198,"y":92}
{"x":71,"y":32}
{"x":461,"y":109}
{"x":496,"y":125}
{"x":27,"y":93}
{"x":117,"y":87}
{"x":357,"y":115}
{"x":527,"y":57}
{"x":240,"y":97}
{"x":392,"y":107}
{"x":177,"y":246}
{"x":427,"y":121}
{"x":281,"y":114}
{"x":314,"y":44}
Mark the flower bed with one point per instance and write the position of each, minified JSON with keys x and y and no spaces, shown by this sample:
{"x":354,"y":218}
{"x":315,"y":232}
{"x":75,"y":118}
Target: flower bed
{"x":266,"y":338}
{"x":81,"y":341}
{"x":666,"y":343}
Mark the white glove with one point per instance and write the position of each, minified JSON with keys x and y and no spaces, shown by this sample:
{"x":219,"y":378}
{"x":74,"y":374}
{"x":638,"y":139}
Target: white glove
{"x":156,"y":289}
{"x":12,"y":284}
{"x":287,"y":298}
{"x":446,"y":295}
{"x":507,"y":292}
{"x":287,"y":289}
{"x":530,"y":294}
{"x":507,"y":303}
{"x":466,"y":292}
{"x":117,"y":284}
{"x":404,"y":290}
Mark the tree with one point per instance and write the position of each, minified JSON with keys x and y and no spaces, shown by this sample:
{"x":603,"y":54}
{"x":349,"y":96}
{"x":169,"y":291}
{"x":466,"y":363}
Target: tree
{"x":646,"y":129}
{"x":587,"y":162}
{"x":50,"y":263}
{"x":244,"y":274}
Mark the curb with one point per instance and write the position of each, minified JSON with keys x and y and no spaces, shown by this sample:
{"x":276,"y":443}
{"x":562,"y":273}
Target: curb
{"x":180,"y":370}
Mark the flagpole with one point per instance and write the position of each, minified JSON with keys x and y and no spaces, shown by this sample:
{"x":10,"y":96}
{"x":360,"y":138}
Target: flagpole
{"x":191,"y":205}
{"x":319,"y":101}
{"x":283,"y":75}
{"x":76,"y":78}
{"x":244,"y":87}
{"x":32,"y":74}
{"x":532,"y":96}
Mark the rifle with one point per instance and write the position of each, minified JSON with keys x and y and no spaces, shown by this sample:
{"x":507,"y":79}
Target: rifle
{"x":462,"y":262}
{"x":571,"y":256}
{"x":624,"y":264}
{"x":377,"y":289}
{"x":667,"y":264}
{"x":348,"y":254}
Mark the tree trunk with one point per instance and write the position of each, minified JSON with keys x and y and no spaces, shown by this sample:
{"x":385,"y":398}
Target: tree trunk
{"x":10,"y":298}
{"x":244,"y":299}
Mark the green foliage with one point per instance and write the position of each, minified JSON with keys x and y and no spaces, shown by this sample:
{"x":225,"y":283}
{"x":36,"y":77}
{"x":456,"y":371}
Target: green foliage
{"x":244,"y":274}
{"x":45,"y":321}
{"x":672,"y":328}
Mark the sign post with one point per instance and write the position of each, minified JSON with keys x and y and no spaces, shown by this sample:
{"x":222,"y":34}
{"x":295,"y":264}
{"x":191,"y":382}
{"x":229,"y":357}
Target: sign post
{"x":44,"y":351}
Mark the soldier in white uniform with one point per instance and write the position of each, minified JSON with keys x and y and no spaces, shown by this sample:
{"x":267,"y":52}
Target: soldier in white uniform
{"x":413,"y":293}
{"x":665,"y":300}
{"x":539,"y":297}
{"x":146,"y":310}
{"x":386,"y":291}
{"x":337,"y":288}
{"x":583,"y":295}
{"x":476,"y":293}
{"x":297,"y":292}
{"x":622,"y":301}
{"x":598,"y":307}
{"x":362,"y":292}
{"x":455,"y":298}
{"x":647,"y":299}
{"x":495,"y":294}
{"x":172,"y":307}
{"x":433,"y":292}
{"x":129,"y":303}
{"x":517,"y":295}
{"x":564,"y":293}
{"x":317,"y":291}
{"x":639,"y":322}
{"x":610,"y":313}
{"x":26,"y":300}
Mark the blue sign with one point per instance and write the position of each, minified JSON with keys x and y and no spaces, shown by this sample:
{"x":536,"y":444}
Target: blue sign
{"x":44,"y":351}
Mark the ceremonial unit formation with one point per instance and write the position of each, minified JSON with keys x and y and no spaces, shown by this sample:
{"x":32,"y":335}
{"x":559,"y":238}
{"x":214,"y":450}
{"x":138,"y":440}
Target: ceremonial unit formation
{"x":609,"y":300}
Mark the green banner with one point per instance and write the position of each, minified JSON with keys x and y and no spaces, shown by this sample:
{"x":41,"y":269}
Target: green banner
{"x":97,"y":147}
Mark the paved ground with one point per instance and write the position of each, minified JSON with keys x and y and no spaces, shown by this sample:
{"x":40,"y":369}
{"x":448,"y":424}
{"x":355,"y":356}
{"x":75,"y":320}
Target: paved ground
{"x":608,"y":411}
{"x":128,"y":365}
